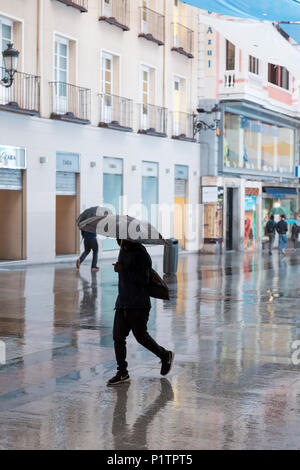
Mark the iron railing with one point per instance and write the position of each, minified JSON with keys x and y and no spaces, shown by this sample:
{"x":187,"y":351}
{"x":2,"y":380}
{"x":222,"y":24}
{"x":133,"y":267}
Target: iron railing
{"x":81,"y":5}
{"x":23,"y":95}
{"x":70,"y":102}
{"x":153,"y":120}
{"x":116,"y":12}
{"x":115,"y":112}
{"x":152,"y":26}
{"x":183,"y":40}
{"x":183,"y":126}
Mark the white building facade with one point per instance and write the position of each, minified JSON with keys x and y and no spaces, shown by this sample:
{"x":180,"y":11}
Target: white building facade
{"x":100,"y":113}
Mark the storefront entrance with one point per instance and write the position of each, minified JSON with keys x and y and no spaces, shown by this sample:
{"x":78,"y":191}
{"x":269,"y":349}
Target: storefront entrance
{"x":112,"y":193}
{"x":278,"y":197}
{"x":12,"y":204}
{"x":67,"y":203}
{"x":233,"y":219}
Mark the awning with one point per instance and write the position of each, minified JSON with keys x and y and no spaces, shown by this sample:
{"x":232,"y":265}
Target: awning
{"x":271,"y":10}
{"x":259,"y":39}
{"x":292,"y":29}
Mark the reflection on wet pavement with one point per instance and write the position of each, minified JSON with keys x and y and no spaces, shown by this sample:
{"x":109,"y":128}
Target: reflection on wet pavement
{"x":232,"y":321}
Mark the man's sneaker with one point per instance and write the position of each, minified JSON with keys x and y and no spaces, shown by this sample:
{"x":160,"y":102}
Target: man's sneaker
{"x":95,"y":270}
{"x":166,"y":364}
{"x":119,"y":379}
{"x":78,"y":264}
{"x":284,"y":252}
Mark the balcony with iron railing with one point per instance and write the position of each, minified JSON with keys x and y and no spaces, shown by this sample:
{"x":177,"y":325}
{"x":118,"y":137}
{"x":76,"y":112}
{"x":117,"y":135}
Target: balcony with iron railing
{"x":183,"y":40}
{"x":116,"y":112}
{"x":70,"y":103}
{"x":23,"y":96}
{"x":81,"y":5}
{"x":116,"y":13}
{"x":152,"y":26}
{"x":153,"y":120}
{"x":183,"y":126}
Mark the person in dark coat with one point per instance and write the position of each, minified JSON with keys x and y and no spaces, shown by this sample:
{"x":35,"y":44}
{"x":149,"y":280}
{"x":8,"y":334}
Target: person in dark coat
{"x":90,"y":244}
{"x":133,"y":308}
{"x":271,"y":232}
{"x":282,"y":229}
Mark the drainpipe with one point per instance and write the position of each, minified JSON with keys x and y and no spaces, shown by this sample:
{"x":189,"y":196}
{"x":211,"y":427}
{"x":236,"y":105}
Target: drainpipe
{"x":39,"y":48}
{"x":165,"y":56}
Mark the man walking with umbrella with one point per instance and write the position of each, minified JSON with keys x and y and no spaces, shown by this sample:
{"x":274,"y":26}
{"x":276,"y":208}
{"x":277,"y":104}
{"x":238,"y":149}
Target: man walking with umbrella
{"x":133,"y":308}
{"x":282,"y":229}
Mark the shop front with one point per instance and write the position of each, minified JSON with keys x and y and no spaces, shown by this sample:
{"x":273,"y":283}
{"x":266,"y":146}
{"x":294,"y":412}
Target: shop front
{"x":285,"y":198}
{"x":213,"y":205}
{"x":12,"y":203}
{"x":260,"y":145}
{"x":67,"y":203}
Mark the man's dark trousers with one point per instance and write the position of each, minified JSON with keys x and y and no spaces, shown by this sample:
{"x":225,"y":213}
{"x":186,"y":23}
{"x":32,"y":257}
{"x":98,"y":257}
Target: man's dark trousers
{"x":90,"y":244}
{"x":134,"y":320}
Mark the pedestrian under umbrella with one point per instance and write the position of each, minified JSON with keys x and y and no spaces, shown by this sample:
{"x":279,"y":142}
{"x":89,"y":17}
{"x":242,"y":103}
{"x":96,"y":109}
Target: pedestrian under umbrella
{"x":132,"y":308}
{"x":90,"y":238}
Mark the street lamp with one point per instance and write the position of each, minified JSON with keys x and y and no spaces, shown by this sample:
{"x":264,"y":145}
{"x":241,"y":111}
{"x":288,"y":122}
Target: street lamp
{"x":200,"y":125}
{"x":10,"y":58}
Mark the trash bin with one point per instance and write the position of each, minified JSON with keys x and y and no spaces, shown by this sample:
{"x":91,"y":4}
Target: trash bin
{"x":171,"y":256}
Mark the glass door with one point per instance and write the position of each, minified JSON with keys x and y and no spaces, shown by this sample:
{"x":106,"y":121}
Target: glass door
{"x":107,"y":87}
{"x":145,"y":97}
{"x":145,"y":16}
{"x":112,"y":193}
{"x":150,"y":192}
{"x":61,"y":59}
{"x":176,"y":123}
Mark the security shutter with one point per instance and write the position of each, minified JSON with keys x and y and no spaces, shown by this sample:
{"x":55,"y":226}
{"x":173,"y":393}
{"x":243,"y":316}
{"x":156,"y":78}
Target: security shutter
{"x":180,"y":188}
{"x":65,"y":183}
{"x":10,"y":179}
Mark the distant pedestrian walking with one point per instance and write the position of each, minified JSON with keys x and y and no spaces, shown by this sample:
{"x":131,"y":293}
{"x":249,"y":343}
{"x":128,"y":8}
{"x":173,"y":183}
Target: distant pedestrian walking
{"x":295,"y":234}
{"x":133,"y":308}
{"x":271,"y":232}
{"x":282,"y":229}
{"x":90,"y":244}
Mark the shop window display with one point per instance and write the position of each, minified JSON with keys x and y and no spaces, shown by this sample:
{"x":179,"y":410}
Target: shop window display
{"x":254,"y":145}
{"x":213,"y":216}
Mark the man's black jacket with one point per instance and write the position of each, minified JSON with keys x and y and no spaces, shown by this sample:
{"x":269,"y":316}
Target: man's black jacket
{"x":282,"y":227}
{"x":134,"y":278}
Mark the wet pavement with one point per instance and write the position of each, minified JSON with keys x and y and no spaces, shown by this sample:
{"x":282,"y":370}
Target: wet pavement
{"x":232,"y":321}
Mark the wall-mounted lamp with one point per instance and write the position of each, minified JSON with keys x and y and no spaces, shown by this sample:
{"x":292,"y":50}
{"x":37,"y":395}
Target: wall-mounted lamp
{"x":43,"y":160}
{"x":200,"y":125}
{"x":10,"y":58}
{"x":93,"y":164}
{"x":168,"y":171}
{"x":134,"y":168}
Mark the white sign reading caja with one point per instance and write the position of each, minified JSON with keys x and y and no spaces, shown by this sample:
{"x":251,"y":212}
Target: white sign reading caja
{"x":67,"y":162}
{"x":12,"y":157}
